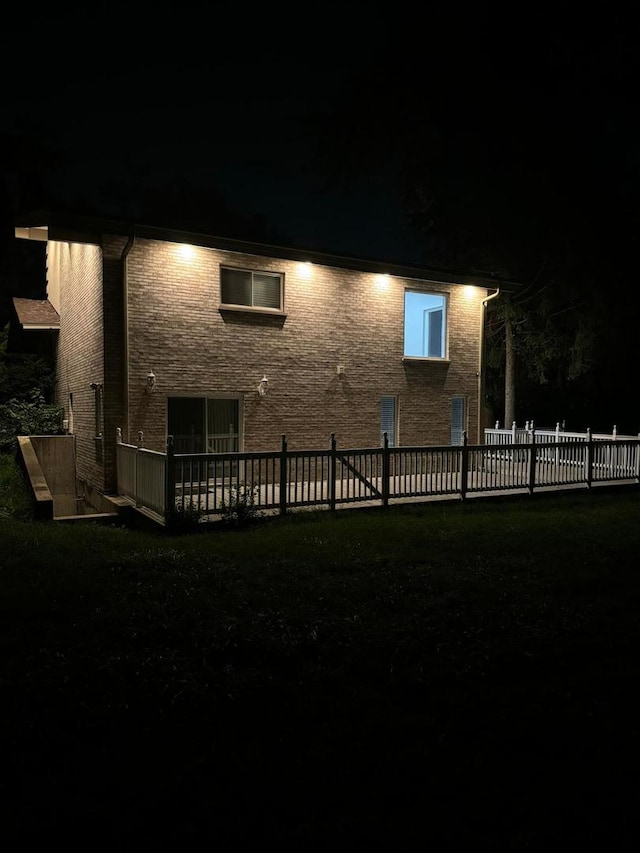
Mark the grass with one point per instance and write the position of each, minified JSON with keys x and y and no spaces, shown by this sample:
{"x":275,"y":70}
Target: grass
{"x":430,"y":677}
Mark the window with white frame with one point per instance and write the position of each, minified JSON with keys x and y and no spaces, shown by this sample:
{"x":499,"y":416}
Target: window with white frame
{"x":388,"y":420}
{"x":251,"y":289}
{"x":425,"y":324}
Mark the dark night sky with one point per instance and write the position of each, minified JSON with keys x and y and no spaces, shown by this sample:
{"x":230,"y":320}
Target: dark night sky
{"x":216,"y":103}
{"x":188,"y":107}
{"x":531,"y":112}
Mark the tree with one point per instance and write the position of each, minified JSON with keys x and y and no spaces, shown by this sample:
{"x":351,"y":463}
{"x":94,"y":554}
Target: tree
{"x":26,"y":387}
{"x":513,"y":164}
{"x":551,"y":344}
{"x":23,"y":373}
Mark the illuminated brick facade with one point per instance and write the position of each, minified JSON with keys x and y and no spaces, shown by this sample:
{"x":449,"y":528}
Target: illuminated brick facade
{"x":151,"y":303}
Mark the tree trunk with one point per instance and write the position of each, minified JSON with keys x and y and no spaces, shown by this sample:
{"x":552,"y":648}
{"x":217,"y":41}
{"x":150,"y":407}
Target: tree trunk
{"x":509,"y":375}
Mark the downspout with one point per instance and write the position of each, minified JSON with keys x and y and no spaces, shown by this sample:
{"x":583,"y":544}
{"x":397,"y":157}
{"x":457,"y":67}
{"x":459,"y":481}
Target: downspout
{"x":125,"y":300}
{"x":481,"y":354}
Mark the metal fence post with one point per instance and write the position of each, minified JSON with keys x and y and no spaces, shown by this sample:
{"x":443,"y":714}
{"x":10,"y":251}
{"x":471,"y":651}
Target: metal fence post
{"x":332,"y":473}
{"x":589,"y":458}
{"x":169,"y":476}
{"x":386,"y":470}
{"x":532,"y":462}
{"x":464,"y":466}
{"x":283,"y":476}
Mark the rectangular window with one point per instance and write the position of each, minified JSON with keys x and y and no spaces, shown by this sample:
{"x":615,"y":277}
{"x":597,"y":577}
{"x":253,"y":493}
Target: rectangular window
{"x":251,"y":289}
{"x":458,"y":419}
{"x":425,"y":325}
{"x":388,"y":420}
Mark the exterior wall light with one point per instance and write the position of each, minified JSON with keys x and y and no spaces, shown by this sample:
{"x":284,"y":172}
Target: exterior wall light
{"x":151,"y":381}
{"x":262,"y":386}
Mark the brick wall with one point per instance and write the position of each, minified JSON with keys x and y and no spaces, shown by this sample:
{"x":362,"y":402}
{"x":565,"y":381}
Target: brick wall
{"x":76,"y":271}
{"x":334,"y":317}
{"x":114,"y":352}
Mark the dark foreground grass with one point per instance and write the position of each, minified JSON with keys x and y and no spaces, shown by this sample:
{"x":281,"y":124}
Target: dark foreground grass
{"x":444,"y":677}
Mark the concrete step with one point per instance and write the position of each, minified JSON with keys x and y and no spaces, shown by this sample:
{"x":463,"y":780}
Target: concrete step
{"x":99,"y":517}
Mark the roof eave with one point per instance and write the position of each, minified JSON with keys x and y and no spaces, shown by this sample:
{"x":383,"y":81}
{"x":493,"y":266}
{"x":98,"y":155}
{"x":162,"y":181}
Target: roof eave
{"x":82,"y":229}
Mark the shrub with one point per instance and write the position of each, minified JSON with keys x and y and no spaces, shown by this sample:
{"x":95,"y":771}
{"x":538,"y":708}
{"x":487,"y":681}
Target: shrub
{"x":33,"y":416}
{"x":184,"y":519}
{"x":240,"y":507}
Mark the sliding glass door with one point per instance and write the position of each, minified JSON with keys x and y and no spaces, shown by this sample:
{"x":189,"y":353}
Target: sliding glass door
{"x":204,"y":425}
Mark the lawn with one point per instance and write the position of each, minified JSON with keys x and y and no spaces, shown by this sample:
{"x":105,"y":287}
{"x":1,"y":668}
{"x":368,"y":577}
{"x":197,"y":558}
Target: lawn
{"x":438,"y":677}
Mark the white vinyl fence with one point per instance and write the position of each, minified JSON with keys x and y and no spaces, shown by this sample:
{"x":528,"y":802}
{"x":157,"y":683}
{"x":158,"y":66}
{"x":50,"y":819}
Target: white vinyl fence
{"x":521,"y":435}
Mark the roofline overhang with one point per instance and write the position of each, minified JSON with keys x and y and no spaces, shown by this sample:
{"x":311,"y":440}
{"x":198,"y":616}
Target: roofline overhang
{"x":36,"y":323}
{"x":37,"y":327}
{"x":65,"y":227}
{"x":38,"y":232}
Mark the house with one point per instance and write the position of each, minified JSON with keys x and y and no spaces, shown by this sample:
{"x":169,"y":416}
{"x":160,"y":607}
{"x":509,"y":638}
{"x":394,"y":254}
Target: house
{"x":227,"y":345}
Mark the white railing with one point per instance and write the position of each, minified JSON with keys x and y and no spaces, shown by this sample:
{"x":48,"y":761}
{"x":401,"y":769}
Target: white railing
{"x":284,"y":479}
{"x":141,"y":474}
{"x":521,"y":435}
